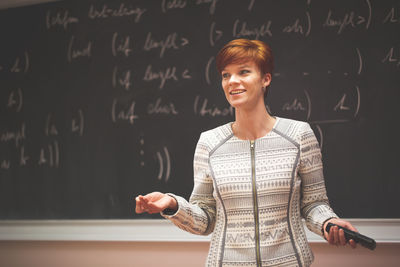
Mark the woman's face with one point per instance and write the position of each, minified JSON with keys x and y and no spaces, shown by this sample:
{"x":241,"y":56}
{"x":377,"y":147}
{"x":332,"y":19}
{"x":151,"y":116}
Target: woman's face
{"x":243,"y":83}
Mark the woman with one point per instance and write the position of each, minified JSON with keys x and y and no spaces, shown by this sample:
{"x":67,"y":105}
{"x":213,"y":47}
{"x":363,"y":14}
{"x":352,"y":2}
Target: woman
{"x":254,"y":179}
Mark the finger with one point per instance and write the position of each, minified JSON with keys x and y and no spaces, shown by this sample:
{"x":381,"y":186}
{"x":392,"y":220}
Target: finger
{"x":326,"y":235}
{"x":335,"y":235}
{"x":143,"y":204}
{"x":342,"y":238}
{"x":352,"y":243}
{"x":150,"y":196}
{"x":143,"y":199}
{"x":330,"y":237}
{"x":139,"y":208}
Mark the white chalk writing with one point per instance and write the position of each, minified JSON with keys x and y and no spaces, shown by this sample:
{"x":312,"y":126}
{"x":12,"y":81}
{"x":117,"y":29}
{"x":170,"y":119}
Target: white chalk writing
{"x":215,"y":35}
{"x":50,"y":155}
{"x":350,"y":19}
{"x":391,"y":58}
{"x":77,"y":53}
{"x":17,"y":64}
{"x":50,"y":127}
{"x":17,"y":136}
{"x":340,"y":105}
{"x":15,"y":100}
{"x":240,"y":29}
{"x":122,"y":11}
{"x":203,"y":108}
{"x":172,"y":4}
{"x":391,"y":17}
{"x":170,"y":42}
{"x":123,"y":114}
{"x":59,"y":19}
{"x":120,"y":45}
{"x":170,"y":73}
{"x":22,"y":157}
{"x":159,"y":108}
{"x":78,"y":123}
{"x":299,"y":28}
{"x":295,"y":105}
{"x":125,"y":81}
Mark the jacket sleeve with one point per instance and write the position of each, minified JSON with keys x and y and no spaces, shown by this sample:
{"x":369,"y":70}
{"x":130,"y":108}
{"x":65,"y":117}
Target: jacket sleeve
{"x":198,"y":215}
{"x":314,"y":201}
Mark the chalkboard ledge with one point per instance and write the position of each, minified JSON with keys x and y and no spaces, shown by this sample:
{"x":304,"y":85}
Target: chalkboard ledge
{"x":382,"y":230}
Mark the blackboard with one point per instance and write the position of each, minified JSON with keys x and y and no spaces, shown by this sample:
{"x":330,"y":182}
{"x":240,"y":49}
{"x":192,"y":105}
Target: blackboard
{"x":104,"y":100}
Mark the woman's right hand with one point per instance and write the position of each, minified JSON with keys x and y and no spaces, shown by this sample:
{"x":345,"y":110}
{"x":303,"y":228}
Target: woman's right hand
{"x":155,"y":202}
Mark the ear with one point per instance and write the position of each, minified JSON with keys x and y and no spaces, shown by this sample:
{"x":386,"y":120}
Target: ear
{"x":267,"y":79}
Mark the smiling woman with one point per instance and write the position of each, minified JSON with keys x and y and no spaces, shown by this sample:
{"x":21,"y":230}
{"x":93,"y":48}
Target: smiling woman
{"x":246,"y":67}
{"x":256,"y":178}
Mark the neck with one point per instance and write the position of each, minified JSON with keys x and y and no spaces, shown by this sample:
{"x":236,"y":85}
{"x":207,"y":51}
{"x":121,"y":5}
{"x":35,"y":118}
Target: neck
{"x":252,"y":124}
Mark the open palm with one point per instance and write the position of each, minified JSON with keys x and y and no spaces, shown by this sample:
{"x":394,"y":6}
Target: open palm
{"x":154,"y":202}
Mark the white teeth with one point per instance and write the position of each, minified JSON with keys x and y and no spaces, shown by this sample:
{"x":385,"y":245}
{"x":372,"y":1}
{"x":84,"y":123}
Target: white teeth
{"x":236,"y":92}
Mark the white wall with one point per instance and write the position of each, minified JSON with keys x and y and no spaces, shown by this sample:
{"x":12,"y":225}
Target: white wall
{"x":167,"y":254}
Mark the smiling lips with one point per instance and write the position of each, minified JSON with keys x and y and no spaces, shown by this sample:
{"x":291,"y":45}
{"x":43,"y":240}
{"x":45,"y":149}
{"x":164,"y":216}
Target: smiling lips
{"x":237,"y":91}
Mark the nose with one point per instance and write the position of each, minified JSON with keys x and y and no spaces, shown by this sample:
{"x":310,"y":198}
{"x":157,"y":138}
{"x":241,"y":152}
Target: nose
{"x":233,"y":79}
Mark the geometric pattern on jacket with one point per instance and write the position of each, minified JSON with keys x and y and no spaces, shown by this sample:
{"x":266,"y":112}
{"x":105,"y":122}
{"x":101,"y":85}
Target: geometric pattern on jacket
{"x":289,"y":187}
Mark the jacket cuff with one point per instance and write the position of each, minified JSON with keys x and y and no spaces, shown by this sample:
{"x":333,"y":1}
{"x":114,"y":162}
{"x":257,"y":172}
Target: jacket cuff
{"x":316,"y":219}
{"x":170,"y":213}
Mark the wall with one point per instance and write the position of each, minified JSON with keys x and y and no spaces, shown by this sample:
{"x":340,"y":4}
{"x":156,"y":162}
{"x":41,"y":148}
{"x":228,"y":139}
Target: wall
{"x":177,"y":254}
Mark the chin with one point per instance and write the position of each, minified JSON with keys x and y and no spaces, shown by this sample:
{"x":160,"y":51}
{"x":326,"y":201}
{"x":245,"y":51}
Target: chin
{"x":237,"y":104}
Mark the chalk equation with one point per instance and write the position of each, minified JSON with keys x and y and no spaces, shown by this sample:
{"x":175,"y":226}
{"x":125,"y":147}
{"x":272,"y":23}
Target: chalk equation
{"x":61,"y":19}
{"x":121,"y":45}
{"x":392,"y":57}
{"x":351,"y":19}
{"x":171,"y":41}
{"x":106,"y":11}
{"x":76,"y":51}
{"x":19,"y":64}
{"x":15,"y":100}
{"x":16,"y":141}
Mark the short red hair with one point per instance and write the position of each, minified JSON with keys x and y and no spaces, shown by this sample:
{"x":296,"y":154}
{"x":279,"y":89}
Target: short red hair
{"x":241,"y":50}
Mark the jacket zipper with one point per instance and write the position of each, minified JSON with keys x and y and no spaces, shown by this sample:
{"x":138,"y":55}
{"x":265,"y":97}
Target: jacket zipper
{"x":255,"y":202}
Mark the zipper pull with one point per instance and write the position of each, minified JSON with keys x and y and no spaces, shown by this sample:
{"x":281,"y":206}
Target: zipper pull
{"x":252,"y":143}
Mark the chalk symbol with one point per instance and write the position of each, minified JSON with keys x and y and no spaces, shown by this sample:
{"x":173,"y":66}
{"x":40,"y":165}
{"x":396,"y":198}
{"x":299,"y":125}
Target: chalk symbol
{"x":142,"y":151}
{"x":161,"y":163}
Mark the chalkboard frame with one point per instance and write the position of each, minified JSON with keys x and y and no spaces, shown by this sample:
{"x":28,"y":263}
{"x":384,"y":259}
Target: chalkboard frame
{"x":154,"y":230}
{"x":383,"y":230}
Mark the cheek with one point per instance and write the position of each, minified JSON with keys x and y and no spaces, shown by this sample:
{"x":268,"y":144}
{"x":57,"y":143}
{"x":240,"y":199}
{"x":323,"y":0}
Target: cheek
{"x":224,"y":86}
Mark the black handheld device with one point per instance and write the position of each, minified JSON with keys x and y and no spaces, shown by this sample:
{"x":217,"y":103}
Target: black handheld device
{"x":364,"y":241}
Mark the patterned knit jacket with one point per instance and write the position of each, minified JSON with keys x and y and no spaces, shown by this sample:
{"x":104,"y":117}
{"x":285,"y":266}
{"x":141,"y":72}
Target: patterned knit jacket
{"x":252,"y":195}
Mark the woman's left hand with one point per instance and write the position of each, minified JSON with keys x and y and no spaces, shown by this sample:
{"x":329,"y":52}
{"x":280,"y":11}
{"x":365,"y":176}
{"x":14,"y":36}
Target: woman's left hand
{"x":336,"y":235}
